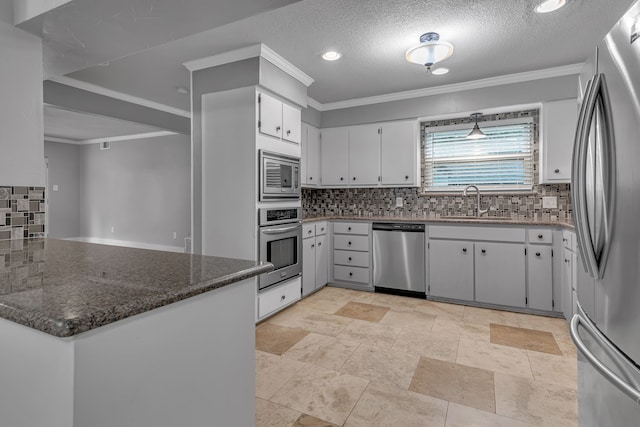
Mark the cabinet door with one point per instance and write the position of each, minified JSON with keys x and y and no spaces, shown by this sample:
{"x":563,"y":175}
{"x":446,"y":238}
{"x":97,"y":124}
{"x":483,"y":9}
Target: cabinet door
{"x":500,"y":274}
{"x":270,"y":116}
{"x":313,"y":156}
{"x":308,"y":265}
{"x":304,"y":154}
{"x":399,"y":151}
{"x":334,"y":156}
{"x":291,"y":123}
{"x":322,"y":261}
{"x":567,"y":283}
{"x":364,"y":155}
{"x":540,"y":276}
{"x":559,"y":120}
{"x":451,"y":269}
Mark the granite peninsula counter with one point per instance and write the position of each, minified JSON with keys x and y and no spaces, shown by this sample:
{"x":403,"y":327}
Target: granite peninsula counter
{"x":96,"y":335}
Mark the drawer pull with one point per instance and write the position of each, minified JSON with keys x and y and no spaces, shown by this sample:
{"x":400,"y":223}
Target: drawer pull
{"x":557,"y":171}
{"x":537,"y":253}
{"x":348,"y":228}
{"x":540,"y":236}
{"x":288,"y":132}
{"x":349,"y":243}
{"x":350,"y":274}
{"x":406,"y":177}
{"x":341,"y":179}
{"x":277,"y":128}
{"x":349,"y":258}
{"x":310,"y":178}
{"x":322,"y":229}
{"x":309,"y":231}
{"x":464,"y":250}
{"x":319,"y":243}
{"x":354,"y":178}
{"x":484,"y":251}
{"x":282,"y":298}
{"x":313,"y":246}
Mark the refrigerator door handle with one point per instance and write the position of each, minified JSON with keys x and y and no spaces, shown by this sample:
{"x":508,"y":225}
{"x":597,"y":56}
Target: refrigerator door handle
{"x":620,"y":383}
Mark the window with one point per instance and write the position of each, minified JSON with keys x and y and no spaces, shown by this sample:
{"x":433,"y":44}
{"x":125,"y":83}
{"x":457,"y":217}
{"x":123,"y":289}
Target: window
{"x":501,"y":161}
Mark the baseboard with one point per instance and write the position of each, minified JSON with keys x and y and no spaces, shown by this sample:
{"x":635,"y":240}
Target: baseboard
{"x":126,"y":243}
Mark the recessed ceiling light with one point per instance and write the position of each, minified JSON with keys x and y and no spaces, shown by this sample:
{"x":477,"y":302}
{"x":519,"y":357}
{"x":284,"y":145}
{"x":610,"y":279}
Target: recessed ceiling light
{"x":440,"y":71}
{"x":331,"y":55}
{"x":550,"y":5}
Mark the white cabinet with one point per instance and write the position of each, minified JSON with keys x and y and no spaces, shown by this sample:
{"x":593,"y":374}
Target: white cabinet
{"x":310,"y":159}
{"x":500,"y":274}
{"x":351,"y":254}
{"x":451,"y":269}
{"x":568,"y":288}
{"x":334,"y":156}
{"x":558,"y":124}
{"x":315,"y":257}
{"x":278,"y":297}
{"x":278,"y":119}
{"x":540,"y":277}
{"x":364,"y":155}
{"x":399,"y":153}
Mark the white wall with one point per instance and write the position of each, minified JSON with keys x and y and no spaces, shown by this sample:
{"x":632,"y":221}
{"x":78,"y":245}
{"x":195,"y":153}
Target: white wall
{"x":65,"y":171}
{"x":21,"y":122}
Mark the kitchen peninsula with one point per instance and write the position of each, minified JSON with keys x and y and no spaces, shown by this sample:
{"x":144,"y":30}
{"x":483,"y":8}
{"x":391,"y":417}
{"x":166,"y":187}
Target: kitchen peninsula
{"x":99,"y":335}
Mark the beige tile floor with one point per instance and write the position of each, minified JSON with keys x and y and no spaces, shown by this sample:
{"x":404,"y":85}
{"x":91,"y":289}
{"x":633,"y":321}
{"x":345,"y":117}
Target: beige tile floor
{"x":356,"y":359}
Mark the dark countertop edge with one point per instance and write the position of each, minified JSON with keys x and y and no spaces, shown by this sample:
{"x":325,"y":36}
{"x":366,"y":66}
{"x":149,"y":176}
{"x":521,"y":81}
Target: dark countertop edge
{"x":485,"y":220}
{"x":66,"y":328}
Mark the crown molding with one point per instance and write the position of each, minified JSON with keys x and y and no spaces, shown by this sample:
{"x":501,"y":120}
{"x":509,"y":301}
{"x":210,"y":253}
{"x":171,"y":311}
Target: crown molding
{"x":456,"y":87}
{"x":314,"y":104}
{"x":246,"y":53}
{"x":100,"y":90}
{"x":62,"y":140}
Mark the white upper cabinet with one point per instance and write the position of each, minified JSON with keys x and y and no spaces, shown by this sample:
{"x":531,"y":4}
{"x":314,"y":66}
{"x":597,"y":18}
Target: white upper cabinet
{"x":559,"y":119}
{"x":364,"y":155}
{"x":310,"y":160}
{"x":278,"y":119}
{"x":334,"y":159}
{"x":399,"y":153}
{"x":291,"y":122}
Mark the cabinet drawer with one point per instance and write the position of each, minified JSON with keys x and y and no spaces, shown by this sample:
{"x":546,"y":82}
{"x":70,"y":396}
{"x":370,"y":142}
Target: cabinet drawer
{"x":356,"y":259}
{"x":343,"y":273}
{"x":351,"y":228}
{"x":496,"y":234}
{"x":540,"y":236}
{"x":308,"y":230}
{"x":353,"y":243}
{"x":276,"y":298}
{"x":568,"y":240}
{"x":321,"y":228}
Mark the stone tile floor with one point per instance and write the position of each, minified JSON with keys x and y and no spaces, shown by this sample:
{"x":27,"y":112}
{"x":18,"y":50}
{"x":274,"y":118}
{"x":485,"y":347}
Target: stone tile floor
{"x":348,"y":358}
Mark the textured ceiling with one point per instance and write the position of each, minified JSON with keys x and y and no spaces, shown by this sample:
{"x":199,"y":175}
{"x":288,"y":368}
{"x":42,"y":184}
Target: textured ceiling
{"x":491,"y":38}
{"x":76,"y":126}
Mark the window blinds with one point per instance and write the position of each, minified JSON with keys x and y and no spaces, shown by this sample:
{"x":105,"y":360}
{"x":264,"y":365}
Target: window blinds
{"x":501,"y":161}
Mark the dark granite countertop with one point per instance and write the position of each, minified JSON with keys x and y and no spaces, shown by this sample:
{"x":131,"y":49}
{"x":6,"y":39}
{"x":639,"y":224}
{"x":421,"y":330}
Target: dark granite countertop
{"x":566,"y":223}
{"x":64,"y":288}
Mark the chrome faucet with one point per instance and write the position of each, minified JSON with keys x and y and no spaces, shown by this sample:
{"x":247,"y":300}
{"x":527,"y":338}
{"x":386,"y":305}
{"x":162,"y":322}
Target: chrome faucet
{"x":480,"y":212}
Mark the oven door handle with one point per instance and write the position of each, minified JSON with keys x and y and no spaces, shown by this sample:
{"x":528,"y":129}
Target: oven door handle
{"x":281,"y":230}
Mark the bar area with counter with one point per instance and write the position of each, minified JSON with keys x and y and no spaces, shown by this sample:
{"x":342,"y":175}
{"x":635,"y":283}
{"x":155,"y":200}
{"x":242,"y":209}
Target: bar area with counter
{"x":97,"y":335}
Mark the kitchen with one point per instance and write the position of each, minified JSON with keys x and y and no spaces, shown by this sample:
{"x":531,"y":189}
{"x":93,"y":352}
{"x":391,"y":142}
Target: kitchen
{"x":355,"y":202}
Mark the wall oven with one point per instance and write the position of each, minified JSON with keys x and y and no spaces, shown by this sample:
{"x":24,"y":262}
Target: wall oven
{"x":279,"y":176}
{"x":280,"y":244}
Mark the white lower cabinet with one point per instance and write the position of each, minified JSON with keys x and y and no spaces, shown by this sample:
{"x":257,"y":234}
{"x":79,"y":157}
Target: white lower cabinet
{"x":315,"y":257}
{"x":500,"y":274}
{"x":540,"y":277}
{"x":451,"y":269}
{"x":351,"y":254}
{"x":278,"y":297}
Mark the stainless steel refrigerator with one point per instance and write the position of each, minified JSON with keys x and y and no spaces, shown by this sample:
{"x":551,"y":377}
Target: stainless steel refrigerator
{"x":605,"y":186}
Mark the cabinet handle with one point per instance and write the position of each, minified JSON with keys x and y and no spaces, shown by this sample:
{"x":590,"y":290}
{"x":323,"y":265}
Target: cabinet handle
{"x":309,"y":231}
{"x":406,"y":177}
{"x":540,"y":236}
{"x":350,"y":274}
{"x":310,"y":178}
{"x":282,"y":298}
{"x":349,"y":259}
{"x":313,"y":246}
{"x":537,"y":253}
{"x":322,"y":229}
{"x":464,"y":250}
{"x":564,"y":240}
{"x":354,"y":178}
{"x":319,"y":243}
{"x":484,"y":251}
{"x":277,"y":128}
{"x":288,"y":132}
{"x":349,"y":243}
{"x":341,"y":179}
{"x":566,"y":260}
{"x":348,"y":228}
{"x":557,"y":171}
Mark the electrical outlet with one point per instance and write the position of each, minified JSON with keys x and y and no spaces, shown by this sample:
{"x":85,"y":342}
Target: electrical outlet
{"x":550,"y":202}
{"x":113,"y":229}
{"x":175,"y":235}
{"x":399,"y":202}
{"x":55,"y":187}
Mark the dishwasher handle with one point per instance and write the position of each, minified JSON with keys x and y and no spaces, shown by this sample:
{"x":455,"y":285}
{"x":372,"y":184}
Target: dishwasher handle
{"x":411,"y":228}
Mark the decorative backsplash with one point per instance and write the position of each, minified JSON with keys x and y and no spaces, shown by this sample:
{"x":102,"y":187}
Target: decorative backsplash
{"x":382,"y":201}
{"x":22,"y":213}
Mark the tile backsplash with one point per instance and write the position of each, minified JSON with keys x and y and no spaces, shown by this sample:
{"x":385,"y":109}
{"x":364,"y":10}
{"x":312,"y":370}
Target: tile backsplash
{"x":418,"y":204}
{"x":22,"y":212}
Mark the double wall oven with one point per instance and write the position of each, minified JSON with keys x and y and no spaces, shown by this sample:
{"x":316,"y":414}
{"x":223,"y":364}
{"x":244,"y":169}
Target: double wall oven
{"x":280,"y":244}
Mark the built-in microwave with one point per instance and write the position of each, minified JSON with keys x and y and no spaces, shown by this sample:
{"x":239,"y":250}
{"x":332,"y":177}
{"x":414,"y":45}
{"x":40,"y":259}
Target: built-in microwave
{"x":279,"y":176}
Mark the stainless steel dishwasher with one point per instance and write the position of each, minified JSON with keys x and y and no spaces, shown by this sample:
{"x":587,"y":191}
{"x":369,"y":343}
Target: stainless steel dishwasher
{"x":399,"y":259}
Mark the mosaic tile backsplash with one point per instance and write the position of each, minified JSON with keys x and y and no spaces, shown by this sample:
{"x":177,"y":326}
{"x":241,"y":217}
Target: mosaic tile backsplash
{"x":22,"y":212}
{"x":418,"y":204}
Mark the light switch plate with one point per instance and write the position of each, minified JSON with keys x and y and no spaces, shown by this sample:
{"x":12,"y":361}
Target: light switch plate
{"x":550,"y":202}
{"x":55,"y":187}
{"x":399,"y":202}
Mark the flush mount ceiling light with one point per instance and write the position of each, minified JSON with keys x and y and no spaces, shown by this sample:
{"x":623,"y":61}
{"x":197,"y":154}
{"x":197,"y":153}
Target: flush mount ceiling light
{"x":476,"y":133}
{"x":331,"y":55}
{"x":550,"y":5}
{"x":440,"y":71}
{"x":430,"y":51}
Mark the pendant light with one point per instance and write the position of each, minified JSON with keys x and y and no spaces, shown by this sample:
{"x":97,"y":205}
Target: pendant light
{"x":430,"y":51}
{"x":476,"y":133}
